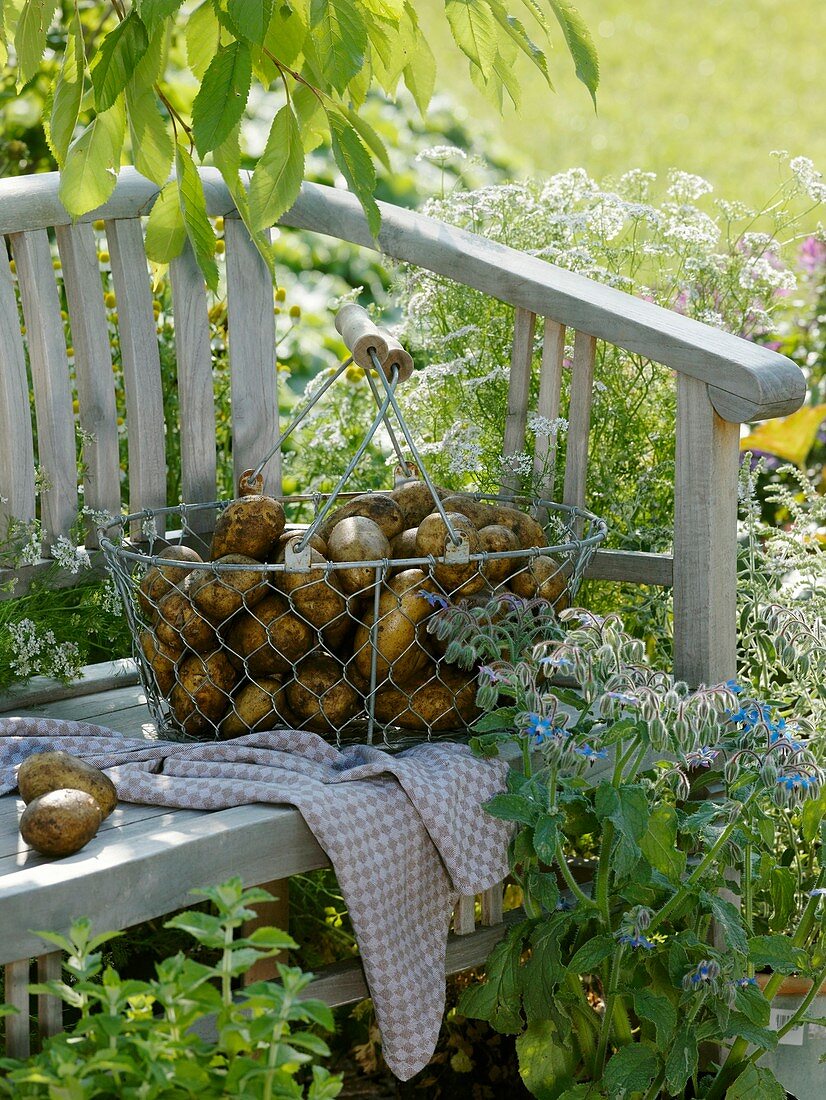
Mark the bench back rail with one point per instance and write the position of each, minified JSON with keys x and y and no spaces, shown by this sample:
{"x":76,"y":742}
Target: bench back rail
{"x":721,"y":380}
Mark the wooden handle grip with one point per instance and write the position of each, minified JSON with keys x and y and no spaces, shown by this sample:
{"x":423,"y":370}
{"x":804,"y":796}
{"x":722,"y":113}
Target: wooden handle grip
{"x":360,"y":335}
{"x":396,"y":357}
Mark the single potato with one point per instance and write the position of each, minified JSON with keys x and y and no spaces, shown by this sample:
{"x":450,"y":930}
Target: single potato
{"x":415,"y":500}
{"x":52,"y":771}
{"x":201,"y":697}
{"x":316,"y":595}
{"x":219,"y":595}
{"x":269,"y":639}
{"x":257,"y":705}
{"x":525,"y":527}
{"x":402,"y":608}
{"x":60,"y":822}
{"x":161,"y":659}
{"x":250,"y":526}
{"x":161,"y":579}
{"x":179,"y":623}
{"x":496,"y":539}
{"x":320,"y":696}
{"x":357,"y":538}
{"x":432,"y":538}
{"x":544,"y":579}
{"x":478,"y":512}
{"x":378,"y":507}
{"x":438,"y":698}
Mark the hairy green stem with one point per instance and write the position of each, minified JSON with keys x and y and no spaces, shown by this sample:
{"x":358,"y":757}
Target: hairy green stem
{"x":608,"y":1014}
{"x":570,"y":881}
{"x":603,"y":873}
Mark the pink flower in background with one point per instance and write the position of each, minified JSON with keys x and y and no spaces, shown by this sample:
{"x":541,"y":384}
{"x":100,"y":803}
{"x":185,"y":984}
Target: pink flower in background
{"x":812,"y":255}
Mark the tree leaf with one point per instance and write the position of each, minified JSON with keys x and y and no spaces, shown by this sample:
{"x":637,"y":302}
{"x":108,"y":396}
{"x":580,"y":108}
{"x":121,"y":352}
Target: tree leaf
{"x":580,"y":44}
{"x":420,"y":72}
{"x":474,"y":31}
{"x":631,"y":1069}
{"x":30,"y":37}
{"x":153,"y":148}
{"x":222,"y":97}
{"x":153,"y":12}
{"x":116,"y":60}
{"x":340,"y":38}
{"x":591,"y":954}
{"x":196,"y":222}
{"x":203,"y":38}
{"x":250,"y":20}
{"x":286,"y":33}
{"x":165,"y":232}
{"x":67,"y":94}
{"x":277,"y":178}
{"x":517,"y":33}
{"x":356,"y":167}
{"x":227,"y":159}
{"x":368,"y":135}
{"x":90,"y":173}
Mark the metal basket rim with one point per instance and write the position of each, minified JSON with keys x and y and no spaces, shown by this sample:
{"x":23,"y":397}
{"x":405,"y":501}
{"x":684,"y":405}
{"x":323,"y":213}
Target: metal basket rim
{"x":574,"y":545}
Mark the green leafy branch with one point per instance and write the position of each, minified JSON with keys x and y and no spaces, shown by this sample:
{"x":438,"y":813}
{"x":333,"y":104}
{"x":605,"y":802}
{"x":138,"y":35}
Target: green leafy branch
{"x":320,"y":58}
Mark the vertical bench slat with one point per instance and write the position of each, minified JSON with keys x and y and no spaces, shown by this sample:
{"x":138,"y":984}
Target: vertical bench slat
{"x":141,"y":365}
{"x":93,"y":369}
{"x":492,"y":905}
{"x":705,"y":539}
{"x":195,"y":389}
{"x":16,"y":993}
{"x":519,"y":386}
{"x":464,"y":915}
{"x":16,"y":443}
{"x":50,"y":379}
{"x":49,"y":1009}
{"x":579,"y":419}
{"x":547,"y":404}
{"x":254,"y":383}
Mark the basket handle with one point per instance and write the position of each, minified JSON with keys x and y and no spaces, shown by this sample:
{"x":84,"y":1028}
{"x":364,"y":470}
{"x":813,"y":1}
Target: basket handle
{"x":362,"y":337}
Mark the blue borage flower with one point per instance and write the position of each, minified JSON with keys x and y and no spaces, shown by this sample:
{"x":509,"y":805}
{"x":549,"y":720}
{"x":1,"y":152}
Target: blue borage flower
{"x":591,"y":754}
{"x":542,"y":730}
{"x":434,"y":599}
{"x":701,"y":758}
{"x":744,"y":983}
{"x":491,"y":673}
{"x":705,"y":975}
{"x":635,"y":939}
{"x":796,"y":782}
{"x":818,"y":892}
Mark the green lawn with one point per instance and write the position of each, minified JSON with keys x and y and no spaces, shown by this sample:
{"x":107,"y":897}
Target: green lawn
{"x":708,"y":86}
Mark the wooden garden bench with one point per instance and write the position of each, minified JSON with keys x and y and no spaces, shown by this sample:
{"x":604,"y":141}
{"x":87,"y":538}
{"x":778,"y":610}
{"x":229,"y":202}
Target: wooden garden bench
{"x":147,"y":859}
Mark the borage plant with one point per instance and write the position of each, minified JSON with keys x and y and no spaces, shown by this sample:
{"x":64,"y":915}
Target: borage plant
{"x":620,"y":980}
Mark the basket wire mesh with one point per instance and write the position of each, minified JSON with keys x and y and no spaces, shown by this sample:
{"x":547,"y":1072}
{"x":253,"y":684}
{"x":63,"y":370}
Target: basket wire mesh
{"x":345,"y":647}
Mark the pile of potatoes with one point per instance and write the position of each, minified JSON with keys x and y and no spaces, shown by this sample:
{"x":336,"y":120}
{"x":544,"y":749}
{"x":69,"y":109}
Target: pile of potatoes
{"x":247,"y":648}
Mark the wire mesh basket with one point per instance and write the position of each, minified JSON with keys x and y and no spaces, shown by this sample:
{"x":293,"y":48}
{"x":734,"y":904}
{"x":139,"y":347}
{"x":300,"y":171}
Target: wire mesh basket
{"x":318,"y":612}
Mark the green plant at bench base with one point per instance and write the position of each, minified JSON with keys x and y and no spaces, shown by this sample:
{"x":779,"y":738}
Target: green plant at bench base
{"x":134,"y":1039}
{"x":620,"y":983}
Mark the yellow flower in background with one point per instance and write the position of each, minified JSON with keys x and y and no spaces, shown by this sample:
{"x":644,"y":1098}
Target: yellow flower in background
{"x":790,"y":438}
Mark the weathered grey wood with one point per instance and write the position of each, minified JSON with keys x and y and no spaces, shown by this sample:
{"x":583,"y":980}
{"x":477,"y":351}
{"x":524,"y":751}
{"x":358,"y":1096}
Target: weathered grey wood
{"x":195,"y":389}
{"x":579,"y":420}
{"x":125,"y":813}
{"x":49,"y":1009}
{"x":92,"y":708}
{"x":275,"y":914}
{"x":16,"y":984}
{"x":464,"y":916}
{"x":631,"y":565}
{"x":547,"y":404}
{"x":93,"y":370}
{"x":92,"y":680}
{"x":750,"y":382}
{"x":147,"y":869}
{"x":16,"y":446}
{"x":141,"y":366}
{"x":705,"y":539}
{"x":253,"y":382}
{"x":492,"y":900}
{"x":519,"y":385}
{"x":50,"y":380}
{"x":17,"y":582}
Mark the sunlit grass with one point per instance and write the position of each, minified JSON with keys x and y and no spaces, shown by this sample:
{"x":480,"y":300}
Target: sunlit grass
{"x":709,"y":86}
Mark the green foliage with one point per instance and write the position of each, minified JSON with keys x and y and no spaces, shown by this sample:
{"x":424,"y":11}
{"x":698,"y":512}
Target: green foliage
{"x":637,"y":936}
{"x":134,"y":1038}
{"x":316,"y":62}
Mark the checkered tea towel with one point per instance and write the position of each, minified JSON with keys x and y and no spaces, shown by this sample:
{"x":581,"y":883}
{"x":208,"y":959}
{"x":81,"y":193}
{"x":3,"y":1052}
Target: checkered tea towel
{"x":406,"y":835}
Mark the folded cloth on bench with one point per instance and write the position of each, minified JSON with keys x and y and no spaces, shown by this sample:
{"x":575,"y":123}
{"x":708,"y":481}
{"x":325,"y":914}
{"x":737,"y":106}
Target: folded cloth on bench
{"x":406,"y":835}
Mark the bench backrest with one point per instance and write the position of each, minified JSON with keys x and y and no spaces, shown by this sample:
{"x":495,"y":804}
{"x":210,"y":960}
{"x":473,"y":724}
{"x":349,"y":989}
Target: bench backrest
{"x":721,"y":379}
